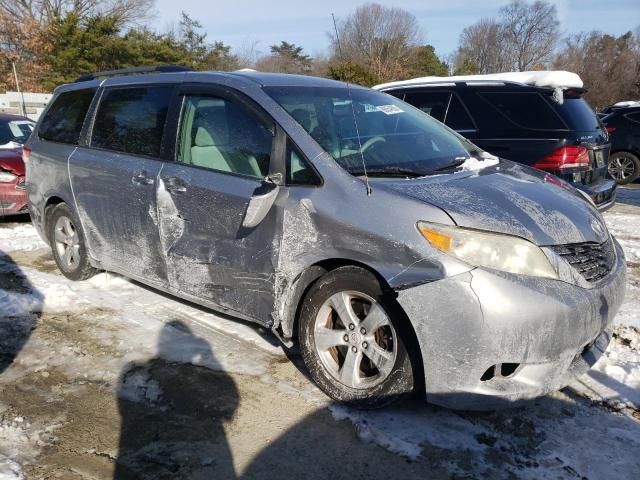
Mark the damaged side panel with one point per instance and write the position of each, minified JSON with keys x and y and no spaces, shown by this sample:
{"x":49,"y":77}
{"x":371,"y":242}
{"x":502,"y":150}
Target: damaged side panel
{"x":209,"y":252}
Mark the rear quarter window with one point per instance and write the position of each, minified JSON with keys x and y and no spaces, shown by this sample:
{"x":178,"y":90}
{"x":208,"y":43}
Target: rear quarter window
{"x":577,"y":114}
{"x":64,"y":119}
{"x":634,"y":117}
{"x":528,"y":110}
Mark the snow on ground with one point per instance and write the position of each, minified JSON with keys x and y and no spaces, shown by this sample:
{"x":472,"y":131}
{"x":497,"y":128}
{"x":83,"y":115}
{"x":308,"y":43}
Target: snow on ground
{"x":21,"y":237}
{"x":590,"y":429}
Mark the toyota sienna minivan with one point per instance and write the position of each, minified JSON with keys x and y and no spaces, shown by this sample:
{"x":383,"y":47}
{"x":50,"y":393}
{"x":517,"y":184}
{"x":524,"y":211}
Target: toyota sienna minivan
{"x":395,"y":254}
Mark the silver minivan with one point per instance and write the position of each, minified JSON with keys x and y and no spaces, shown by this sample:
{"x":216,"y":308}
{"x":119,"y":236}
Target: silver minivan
{"x":396,"y":255}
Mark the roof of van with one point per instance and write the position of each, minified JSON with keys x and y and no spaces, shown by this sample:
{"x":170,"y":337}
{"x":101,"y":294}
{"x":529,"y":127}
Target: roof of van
{"x":261,"y":78}
{"x":550,"y":79}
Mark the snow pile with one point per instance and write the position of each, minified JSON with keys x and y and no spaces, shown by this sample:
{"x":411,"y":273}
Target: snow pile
{"x":19,"y":237}
{"x":475,"y":164}
{"x":615,"y":379}
{"x":15,"y":446}
{"x":550,"y":79}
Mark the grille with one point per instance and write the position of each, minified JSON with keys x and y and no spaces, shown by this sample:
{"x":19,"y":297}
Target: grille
{"x":592,"y":260}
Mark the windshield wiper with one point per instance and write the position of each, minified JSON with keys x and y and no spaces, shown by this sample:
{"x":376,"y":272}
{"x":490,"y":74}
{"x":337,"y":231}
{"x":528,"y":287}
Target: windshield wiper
{"x":451,"y":166}
{"x":389,"y":172}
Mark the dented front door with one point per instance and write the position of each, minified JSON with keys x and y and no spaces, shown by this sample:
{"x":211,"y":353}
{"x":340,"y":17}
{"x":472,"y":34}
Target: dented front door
{"x":212,"y":251}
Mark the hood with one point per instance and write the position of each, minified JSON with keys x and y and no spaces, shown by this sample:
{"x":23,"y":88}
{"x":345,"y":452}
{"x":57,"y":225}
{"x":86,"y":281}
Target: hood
{"x":512,"y":199}
{"x":11,"y":160}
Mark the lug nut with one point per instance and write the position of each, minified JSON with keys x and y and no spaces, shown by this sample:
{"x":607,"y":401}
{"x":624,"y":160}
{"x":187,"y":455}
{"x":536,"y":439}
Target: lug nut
{"x":365,"y":345}
{"x":363,"y":331}
{"x":354,"y":349}
{"x":346,"y":338}
{"x":352,"y":326}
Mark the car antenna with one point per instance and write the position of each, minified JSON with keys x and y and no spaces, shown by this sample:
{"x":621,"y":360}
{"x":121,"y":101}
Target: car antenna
{"x":353,"y":110}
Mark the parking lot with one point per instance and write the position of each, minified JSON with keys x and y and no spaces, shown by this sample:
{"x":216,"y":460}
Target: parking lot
{"x":110,"y":379}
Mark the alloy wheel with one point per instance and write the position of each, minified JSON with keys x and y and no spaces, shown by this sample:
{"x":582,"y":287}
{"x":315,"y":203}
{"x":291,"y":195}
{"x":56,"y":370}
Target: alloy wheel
{"x":67,"y":243}
{"x":355,"y":340}
{"x":621,"y":168}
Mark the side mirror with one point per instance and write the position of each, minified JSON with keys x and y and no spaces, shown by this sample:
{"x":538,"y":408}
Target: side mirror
{"x":274,"y":178}
{"x":262,"y":200}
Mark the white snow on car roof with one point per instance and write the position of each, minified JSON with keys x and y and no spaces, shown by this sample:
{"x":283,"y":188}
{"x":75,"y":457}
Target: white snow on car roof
{"x":628,"y":103}
{"x":551,"y":79}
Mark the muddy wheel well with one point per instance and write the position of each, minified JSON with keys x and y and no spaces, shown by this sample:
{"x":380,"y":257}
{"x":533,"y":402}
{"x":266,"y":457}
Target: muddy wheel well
{"x":51,"y":202}
{"x":313,"y":273}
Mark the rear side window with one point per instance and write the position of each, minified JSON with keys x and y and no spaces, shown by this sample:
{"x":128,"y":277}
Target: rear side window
{"x":577,"y":113}
{"x":131,"y":120}
{"x":525,"y":109}
{"x":433,"y":103}
{"x":63,"y":121}
{"x":634,"y":117}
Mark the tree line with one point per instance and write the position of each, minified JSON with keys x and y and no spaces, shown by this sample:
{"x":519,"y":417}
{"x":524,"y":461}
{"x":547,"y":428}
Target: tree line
{"x":54,"y":41}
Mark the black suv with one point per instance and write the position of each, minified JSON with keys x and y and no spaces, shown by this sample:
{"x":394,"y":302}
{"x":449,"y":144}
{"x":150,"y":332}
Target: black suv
{"x":523,"y":123}
{"x":623,"y":125}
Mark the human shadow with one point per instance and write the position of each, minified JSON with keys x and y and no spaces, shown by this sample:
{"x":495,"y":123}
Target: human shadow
{"x":20,"y":307}
{"x":173,"y":414}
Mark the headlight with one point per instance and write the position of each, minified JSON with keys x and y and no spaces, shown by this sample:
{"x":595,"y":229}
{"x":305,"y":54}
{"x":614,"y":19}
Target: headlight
{"x":6,"y":177}
{"x":492,"y":250}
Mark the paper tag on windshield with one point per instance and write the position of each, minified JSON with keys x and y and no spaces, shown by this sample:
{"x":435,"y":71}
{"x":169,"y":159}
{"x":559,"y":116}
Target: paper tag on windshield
{"x":389,"y":109}
{"x":15,"y":129}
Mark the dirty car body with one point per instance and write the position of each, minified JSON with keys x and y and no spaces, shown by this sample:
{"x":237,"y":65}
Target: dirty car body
{"x":252,"y":239}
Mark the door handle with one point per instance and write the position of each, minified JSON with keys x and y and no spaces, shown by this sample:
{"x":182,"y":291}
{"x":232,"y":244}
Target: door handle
{"x":140,"y":178}
{"x":175,"y":185}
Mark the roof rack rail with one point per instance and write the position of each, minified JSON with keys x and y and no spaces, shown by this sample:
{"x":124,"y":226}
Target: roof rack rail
{"x":134,"y":71}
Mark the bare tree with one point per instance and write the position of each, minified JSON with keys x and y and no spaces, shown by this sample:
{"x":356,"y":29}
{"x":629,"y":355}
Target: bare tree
{"x":609,"y":66}
{"x":379,"y":37}
{"x":47,"y":11}
{"x":530,"y":32}
{"x":482,"y":46}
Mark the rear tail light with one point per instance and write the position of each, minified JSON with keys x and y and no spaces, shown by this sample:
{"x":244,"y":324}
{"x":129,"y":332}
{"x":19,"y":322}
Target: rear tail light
{"x":564,"y":158}
{"x":26,"y":153}
{"x":611,"y":129}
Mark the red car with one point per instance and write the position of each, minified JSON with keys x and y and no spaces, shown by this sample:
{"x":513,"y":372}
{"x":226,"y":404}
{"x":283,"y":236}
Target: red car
{"x":13,"y":197}
{"x":14,"y":131}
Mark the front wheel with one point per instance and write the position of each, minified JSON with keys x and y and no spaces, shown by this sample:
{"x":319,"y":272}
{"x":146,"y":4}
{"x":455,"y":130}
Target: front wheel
{"x":350,"y":340}
{"x":624,"y":167}
{"x":67,"y":244}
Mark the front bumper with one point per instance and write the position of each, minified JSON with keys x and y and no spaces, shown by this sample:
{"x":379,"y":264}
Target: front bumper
{"x":13,"y":198}
{"x":545,"y":332}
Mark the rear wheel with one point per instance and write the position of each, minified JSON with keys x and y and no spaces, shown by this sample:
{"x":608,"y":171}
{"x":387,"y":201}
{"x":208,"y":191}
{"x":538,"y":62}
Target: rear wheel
{"x":624,"y":167}
{"x":350,"y":340}
{"x":67,"y":244}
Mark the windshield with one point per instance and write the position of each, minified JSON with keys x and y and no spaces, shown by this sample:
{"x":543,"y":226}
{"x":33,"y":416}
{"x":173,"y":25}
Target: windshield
{"x":14,"y":132}
{"x":394,"y":136}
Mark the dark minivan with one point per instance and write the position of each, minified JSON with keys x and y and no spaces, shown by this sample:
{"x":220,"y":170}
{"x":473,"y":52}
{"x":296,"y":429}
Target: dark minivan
{"x":535,"y":123}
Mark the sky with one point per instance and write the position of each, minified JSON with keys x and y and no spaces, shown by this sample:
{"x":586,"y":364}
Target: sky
{"x":242,"y":23}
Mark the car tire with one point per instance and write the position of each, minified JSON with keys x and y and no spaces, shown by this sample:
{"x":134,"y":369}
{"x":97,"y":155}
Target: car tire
{"x":67,"y":243}
{"x":366,"y":369}
{"x":624,"y":167}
